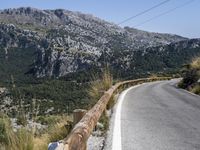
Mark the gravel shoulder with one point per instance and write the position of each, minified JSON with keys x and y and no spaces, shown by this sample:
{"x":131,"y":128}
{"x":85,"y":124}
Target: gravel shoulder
{"x":97,"y":142}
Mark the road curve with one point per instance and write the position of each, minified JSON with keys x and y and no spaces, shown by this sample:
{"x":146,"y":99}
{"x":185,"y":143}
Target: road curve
{"x":159,"y":116}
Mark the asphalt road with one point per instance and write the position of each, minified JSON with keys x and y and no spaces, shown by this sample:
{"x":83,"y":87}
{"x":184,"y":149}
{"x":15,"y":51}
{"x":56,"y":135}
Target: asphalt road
{"x":159,"y":116}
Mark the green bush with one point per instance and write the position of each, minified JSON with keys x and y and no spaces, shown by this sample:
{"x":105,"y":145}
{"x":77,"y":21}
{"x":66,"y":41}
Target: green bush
{"x":191,"y":75}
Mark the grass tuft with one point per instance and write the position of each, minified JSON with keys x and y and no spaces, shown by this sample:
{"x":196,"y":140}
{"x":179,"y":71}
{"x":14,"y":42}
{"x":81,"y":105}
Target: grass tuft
{"x":195,"y":63}
{"x":26,"y":139}
{"x":99,"y":85}
{"x":20,"y":140}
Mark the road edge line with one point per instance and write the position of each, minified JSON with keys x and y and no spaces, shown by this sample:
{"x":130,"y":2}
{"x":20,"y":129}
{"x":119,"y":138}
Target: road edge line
{"x":116,"y":139}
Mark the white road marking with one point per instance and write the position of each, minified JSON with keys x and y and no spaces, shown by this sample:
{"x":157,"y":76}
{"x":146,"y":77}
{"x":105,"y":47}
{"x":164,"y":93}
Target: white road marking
{"x":116,"y":140}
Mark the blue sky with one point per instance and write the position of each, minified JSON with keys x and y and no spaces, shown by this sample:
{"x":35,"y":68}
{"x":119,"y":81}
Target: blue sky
{"x":184,"y":21}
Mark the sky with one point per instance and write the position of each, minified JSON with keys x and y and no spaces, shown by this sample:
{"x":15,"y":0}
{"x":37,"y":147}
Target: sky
{"x":184,"y":21}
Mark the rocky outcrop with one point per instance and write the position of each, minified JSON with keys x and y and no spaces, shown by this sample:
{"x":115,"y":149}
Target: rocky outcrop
{"x":65,"y":41}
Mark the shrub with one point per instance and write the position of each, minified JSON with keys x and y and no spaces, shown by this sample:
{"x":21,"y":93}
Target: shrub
{"x":196,"y":89}
{"x":196,"y":63}
{"x":191,"y":75}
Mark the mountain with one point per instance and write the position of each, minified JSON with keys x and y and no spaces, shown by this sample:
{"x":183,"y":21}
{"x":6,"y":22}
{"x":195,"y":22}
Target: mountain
{"x":49,"y":55}
{"x":54,"y":43}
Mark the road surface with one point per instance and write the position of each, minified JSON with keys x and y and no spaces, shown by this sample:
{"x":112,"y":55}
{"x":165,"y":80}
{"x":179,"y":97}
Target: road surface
{"x":158,"y":116}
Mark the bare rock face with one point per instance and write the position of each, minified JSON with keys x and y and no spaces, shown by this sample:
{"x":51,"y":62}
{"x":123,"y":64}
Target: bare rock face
{"x":64,"y":41}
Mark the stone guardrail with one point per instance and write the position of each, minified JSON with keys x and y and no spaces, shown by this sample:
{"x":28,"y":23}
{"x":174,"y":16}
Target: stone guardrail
{"x":77,"y":139}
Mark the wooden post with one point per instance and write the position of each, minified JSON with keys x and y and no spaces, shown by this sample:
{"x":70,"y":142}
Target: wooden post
{"x":78,"y":115}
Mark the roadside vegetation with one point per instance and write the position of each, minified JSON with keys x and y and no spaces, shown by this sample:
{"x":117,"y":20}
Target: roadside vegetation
{"x":30,"y":138}
{"x":191,"y":76}
{"x":19,"y":140}
{"x":100,"y":84}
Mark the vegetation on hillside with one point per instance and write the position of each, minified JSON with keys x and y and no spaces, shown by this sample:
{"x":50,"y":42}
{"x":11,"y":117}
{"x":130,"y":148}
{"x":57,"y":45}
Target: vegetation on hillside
{"x":58,"y":127}
{"x":64,"y":94}
{"x":60,"y":95}
{"x":191,"y":76}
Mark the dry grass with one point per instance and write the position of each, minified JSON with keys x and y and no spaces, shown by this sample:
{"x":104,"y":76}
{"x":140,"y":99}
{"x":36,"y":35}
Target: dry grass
{"x":27,"y":140}
{"x":107,"y":79}
{"x":196,"y":89}
{"x":99,"y":85}
{"x":153,"y":76}
{"x":20,"y":140}
{"x":24,"y":140}
{"x":196,"y":63}
{"x":56,"y":132}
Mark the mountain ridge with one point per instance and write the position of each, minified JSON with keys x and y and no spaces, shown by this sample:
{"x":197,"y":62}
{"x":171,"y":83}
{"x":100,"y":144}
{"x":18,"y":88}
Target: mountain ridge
{"x":58,"y":12}
{"x":64,"y":42}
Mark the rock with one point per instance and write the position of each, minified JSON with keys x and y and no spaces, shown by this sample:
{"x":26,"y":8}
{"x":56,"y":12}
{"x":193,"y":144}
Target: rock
{"x":65,"y":42}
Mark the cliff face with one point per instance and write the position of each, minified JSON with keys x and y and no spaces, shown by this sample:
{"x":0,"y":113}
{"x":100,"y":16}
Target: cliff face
{"x":62,"y":41}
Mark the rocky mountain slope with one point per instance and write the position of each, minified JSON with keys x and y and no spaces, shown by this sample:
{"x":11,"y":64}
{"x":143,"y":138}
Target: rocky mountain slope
{"x":54,"y":43}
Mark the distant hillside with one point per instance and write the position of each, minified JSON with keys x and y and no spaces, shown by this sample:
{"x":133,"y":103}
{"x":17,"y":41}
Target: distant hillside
{"x":54,"y":43}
